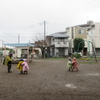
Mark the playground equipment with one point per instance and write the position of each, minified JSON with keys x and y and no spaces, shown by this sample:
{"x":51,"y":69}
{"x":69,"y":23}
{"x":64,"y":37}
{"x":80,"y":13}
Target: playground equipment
{"x":88,"y":47}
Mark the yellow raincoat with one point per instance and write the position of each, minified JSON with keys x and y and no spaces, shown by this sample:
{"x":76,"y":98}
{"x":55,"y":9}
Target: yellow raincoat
{"x":7,"y":59}
{"x":19,"y":66}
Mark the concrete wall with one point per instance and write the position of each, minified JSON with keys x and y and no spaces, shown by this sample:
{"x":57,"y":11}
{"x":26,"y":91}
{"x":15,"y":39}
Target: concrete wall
{"x":77,"y":35}
{"x":96,"y":35}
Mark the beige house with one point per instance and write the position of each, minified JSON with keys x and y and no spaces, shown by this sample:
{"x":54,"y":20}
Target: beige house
{"x":89,"y":32}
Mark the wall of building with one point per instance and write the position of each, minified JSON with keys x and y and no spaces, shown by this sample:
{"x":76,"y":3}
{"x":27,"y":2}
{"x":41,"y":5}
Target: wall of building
{"x":97,"y":35}
{"x":77,"y":35}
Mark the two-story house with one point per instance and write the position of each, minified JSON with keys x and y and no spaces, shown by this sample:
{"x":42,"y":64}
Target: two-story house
{"x":58,"y":45}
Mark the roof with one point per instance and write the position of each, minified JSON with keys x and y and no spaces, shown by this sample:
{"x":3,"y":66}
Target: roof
{"x":87,"y":25}
{"x":58,"y":35}
{"x":20,"y":44}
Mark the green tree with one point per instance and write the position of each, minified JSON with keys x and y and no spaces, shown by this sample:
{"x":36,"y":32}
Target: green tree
{"x":76,"y":43}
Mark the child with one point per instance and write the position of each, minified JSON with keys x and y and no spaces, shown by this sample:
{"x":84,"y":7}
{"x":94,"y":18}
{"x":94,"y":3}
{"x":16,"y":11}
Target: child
{"x":75,"y":64}
{"x":25,"y":66}
{"x":69,"y":64}
{"x":8,"y":61}
{"x":20,"y":67}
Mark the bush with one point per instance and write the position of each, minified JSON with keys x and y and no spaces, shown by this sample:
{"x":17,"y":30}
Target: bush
{"x":77,"y":55}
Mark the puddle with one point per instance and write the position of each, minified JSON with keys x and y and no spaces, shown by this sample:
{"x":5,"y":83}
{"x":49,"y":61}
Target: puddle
{"x":93,"y":74}
{"x":70,"y":86}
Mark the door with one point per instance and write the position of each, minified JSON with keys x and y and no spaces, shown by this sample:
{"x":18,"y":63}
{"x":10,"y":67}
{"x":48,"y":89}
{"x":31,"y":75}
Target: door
{"x":61,"y":52}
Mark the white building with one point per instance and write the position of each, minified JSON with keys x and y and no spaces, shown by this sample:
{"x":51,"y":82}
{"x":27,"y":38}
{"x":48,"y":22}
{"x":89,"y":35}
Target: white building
{"x":58,"y":45}
{"x":22,"y":50}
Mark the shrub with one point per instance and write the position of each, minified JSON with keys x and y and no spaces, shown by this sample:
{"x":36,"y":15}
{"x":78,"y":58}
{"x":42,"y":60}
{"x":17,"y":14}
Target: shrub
{"x":77,"y":55}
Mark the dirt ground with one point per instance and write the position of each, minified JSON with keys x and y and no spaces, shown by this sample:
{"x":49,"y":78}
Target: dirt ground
{"x":51,"y":80}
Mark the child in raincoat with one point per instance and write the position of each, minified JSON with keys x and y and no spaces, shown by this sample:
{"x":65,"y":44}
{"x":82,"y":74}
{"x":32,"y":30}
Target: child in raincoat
{"x":20,"y":67}
{"x":25,"y":66}
{"x":69,"y":64}
{"x":8,"y":61}
{"x":75,"y":64}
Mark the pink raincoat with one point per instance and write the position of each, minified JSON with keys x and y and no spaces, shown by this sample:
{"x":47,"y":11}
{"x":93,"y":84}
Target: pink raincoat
{"x":25,"y":65}
{"x":75,"y":64}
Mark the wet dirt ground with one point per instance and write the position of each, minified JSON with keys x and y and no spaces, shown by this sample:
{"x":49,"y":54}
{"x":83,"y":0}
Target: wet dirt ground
{"x":51,"y":80}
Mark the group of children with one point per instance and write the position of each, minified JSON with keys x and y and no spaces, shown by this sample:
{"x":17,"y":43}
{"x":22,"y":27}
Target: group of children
{"x":72,"y":64}
{"x":23,"y":66}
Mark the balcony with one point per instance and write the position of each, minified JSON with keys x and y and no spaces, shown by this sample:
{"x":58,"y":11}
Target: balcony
{"x":61,"y":44}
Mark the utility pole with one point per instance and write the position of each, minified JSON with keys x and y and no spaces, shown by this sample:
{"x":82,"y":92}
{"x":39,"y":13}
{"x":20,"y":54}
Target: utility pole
{"x":44,"y":29}
{"x":44,"y":35}
{"x":44,"y":23}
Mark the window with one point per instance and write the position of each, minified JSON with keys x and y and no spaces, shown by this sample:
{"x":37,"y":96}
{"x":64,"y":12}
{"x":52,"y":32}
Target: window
{"x":58,"y":41}
{"x":65,"y":41}
{"x":62,"y":40}
{"x":53,"y":40}
{"x":81,"y":31}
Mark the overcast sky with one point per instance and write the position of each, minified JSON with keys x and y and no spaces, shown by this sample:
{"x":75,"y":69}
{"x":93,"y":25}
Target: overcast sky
{"x":26,"y":17}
